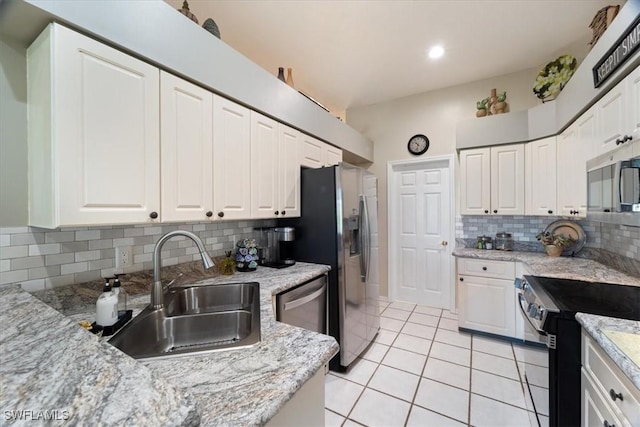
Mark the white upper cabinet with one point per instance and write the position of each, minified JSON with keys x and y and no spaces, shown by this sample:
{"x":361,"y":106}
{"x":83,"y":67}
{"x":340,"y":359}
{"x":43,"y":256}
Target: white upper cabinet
{"x":316,"y":154}
{"x":186,"y":112}
{"x":612,"y":119}
{"x":540,"y":177}
{"x":475,"y":181}
{"x":231,"y":160}
{"x":289,"y":171}
{"x":333,"y":155}
{"x":492,"y":180}
{"x":633,"y":88}
{"x":265,"y":201}
{"x":507,"y":179}
{"x":575,"y":147}
{"x":94,"y":141}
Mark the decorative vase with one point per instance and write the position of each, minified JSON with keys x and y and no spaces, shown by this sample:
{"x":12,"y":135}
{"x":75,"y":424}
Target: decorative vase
{"x":227,"y":265}
{"x":281,"y":74}
{"x":211,"y":26}
{"x":553,"y":250}
{"x":289,"y":80}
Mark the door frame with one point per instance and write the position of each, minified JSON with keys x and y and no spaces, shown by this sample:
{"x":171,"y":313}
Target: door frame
{"x":392,"y":213}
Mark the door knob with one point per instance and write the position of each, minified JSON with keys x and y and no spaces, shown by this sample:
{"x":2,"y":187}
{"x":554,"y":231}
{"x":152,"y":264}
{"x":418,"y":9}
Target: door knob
{"x":209,"y":214}
{"x":444,"y":243}
{"x":220,"y":214}
{"x":153,"y":215}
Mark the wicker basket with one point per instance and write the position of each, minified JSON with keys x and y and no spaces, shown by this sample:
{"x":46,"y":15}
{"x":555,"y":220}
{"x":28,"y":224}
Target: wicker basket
{"x":601,"y":22}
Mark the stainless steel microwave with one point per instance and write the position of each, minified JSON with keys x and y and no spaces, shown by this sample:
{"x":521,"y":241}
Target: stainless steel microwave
{"x":615,"y":187}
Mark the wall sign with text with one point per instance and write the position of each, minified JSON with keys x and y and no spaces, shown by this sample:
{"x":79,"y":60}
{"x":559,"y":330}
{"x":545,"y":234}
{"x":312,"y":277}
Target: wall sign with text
{"x":621,"y":50}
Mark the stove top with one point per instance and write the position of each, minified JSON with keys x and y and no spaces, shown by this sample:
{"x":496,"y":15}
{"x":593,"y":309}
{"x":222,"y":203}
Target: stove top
{"x":572,"y":296}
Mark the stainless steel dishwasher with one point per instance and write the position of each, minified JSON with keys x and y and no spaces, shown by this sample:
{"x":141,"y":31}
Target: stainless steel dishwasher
{"x":305,"y":305}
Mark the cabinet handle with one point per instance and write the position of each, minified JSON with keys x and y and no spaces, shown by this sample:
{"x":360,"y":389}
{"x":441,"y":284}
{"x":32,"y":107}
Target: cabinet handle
{"x":606,"y":424}
{"x":486,"y":211}
{"x":153,"y":215}
{"x":549,"y":211}
{"x":283,"y":212}
{"x":209,"y":214}
{"x":627,"y":138}
{"x":220,"y":214}
{"x":277,"y":212}
{"x":615,"y":395}
{"x":462,"y":279}
{"x":619,"y":141}
{"x":484,"y":268}
{"x":495,"y":211}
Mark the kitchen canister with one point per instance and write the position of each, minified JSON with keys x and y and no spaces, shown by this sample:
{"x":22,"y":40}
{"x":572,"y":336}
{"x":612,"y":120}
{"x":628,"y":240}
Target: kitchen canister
{"x":504,"y":241}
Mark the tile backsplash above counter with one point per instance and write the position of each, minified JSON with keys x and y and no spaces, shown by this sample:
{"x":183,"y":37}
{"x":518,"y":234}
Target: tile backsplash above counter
{"x":617,"y":246}
{"x":41,"y":258}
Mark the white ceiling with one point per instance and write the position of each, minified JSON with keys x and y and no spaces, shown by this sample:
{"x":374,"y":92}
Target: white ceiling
{"x":348,"y":53}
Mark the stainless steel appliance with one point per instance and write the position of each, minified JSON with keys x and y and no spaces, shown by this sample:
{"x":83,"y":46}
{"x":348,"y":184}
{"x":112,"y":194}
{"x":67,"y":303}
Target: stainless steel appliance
{"x":338,"y":226}
{"x":550,"y":305}
{"x":614,"y":184}
{"x":305,"y":305}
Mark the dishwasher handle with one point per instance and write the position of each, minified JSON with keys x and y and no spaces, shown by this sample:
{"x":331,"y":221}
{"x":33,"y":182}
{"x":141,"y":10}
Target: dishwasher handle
{"x":305,"y":299}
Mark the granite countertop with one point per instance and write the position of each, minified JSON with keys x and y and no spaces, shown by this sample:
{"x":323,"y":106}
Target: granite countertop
{"x":236,"y":387}
{"x":49,"y":363}
{"x":599,"y":327}
{"x":540,"y":264}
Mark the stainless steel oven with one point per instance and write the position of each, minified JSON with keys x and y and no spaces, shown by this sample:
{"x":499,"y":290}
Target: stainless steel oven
{"x":549,"y":305}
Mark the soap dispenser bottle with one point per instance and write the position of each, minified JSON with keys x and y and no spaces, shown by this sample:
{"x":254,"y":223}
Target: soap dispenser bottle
{"x":107,"y":306}
{"x":121,"y":294}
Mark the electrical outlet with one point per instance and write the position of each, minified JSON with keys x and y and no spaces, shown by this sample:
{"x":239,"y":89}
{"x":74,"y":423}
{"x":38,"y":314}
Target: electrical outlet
{"x":124,"y":256}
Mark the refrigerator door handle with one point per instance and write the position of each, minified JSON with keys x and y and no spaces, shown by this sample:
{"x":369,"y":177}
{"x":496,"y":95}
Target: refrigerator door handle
{"x":366,"y":237}
{"x":363,"y":262}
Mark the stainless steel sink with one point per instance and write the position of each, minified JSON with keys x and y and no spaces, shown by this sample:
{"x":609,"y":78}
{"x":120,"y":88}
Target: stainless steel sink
{"x":206,"y":299}
{"x":196,"y":319}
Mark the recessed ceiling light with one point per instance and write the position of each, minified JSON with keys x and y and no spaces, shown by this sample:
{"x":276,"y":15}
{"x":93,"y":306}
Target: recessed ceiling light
{"x":436,"y":52}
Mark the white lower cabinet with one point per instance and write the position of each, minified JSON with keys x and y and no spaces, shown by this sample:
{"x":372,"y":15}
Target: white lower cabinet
{"x":608,"y":396}
{"x":486,"y":296}
{"x":306,"y":407}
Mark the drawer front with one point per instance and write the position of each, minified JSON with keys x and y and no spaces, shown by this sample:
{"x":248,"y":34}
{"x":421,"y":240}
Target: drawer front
{"x":607,"y":377}
{"x":595,"y":412}
{"x":487,"y":268}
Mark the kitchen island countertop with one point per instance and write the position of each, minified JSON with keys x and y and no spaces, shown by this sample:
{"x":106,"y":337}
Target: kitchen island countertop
{"x":246,"y":386}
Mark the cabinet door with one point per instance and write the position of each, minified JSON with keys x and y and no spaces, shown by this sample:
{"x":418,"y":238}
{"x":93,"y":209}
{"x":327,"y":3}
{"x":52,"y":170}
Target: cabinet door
{"x":612,"y":118}
{"x":633,"y":89}
{"x":231,"y":160}
{"x":540,"y":177}
{"x":507,"y":180}
{"x":186,"y":143}
{"x":487,"y":305}
{"x":289,"y":172}
{"x":264,"y":167}
{"x":475,"y":186}
{"x":312,"y":152}
{"x":595,"y":412}
{"x":333,"y":155}
{"x":105,"y":133}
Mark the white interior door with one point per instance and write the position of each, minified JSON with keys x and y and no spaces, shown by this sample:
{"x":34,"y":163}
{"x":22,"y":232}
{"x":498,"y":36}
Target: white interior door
{"x":421,"y":225}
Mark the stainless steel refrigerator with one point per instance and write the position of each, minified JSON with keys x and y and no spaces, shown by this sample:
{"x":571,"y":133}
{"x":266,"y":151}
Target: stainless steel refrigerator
{"x":338,"y":226}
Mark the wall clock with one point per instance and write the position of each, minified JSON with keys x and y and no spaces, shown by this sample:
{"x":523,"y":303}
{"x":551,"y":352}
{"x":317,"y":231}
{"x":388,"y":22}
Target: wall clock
{"x":418,"y":144}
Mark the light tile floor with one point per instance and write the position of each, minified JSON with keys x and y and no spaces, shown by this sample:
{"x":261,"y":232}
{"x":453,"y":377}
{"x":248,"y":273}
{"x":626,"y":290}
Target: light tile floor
{"x":421,"y":371}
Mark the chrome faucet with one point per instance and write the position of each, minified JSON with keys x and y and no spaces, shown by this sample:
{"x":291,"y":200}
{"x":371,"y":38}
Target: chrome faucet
{"x":157,"y":297}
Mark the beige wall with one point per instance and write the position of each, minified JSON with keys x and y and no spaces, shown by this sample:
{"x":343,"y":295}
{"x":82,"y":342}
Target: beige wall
{"x":13,"y":134}
{"x":435,"y":114}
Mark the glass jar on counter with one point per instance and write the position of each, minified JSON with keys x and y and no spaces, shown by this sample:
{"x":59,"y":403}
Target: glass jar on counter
{"x":484,"y":242}
{"x":504,"y":241}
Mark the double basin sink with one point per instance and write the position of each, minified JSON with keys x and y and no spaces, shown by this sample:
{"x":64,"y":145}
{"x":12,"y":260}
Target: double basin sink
{"x":195,"y":319}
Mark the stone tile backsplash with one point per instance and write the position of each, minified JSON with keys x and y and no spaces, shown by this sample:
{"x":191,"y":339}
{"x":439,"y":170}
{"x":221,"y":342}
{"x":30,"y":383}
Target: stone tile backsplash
{"x":615,"y":245}
{"x":41,"y":258}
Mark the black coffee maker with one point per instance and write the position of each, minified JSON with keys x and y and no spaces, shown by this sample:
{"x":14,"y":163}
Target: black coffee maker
{"x":277,"y":251}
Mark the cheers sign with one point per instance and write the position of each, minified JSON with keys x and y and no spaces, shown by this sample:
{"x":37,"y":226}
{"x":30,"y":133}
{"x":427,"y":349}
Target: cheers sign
{"x":622,"y":50}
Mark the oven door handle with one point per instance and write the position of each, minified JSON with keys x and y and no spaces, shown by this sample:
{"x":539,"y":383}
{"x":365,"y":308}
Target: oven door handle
{"x":526,"y":316}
